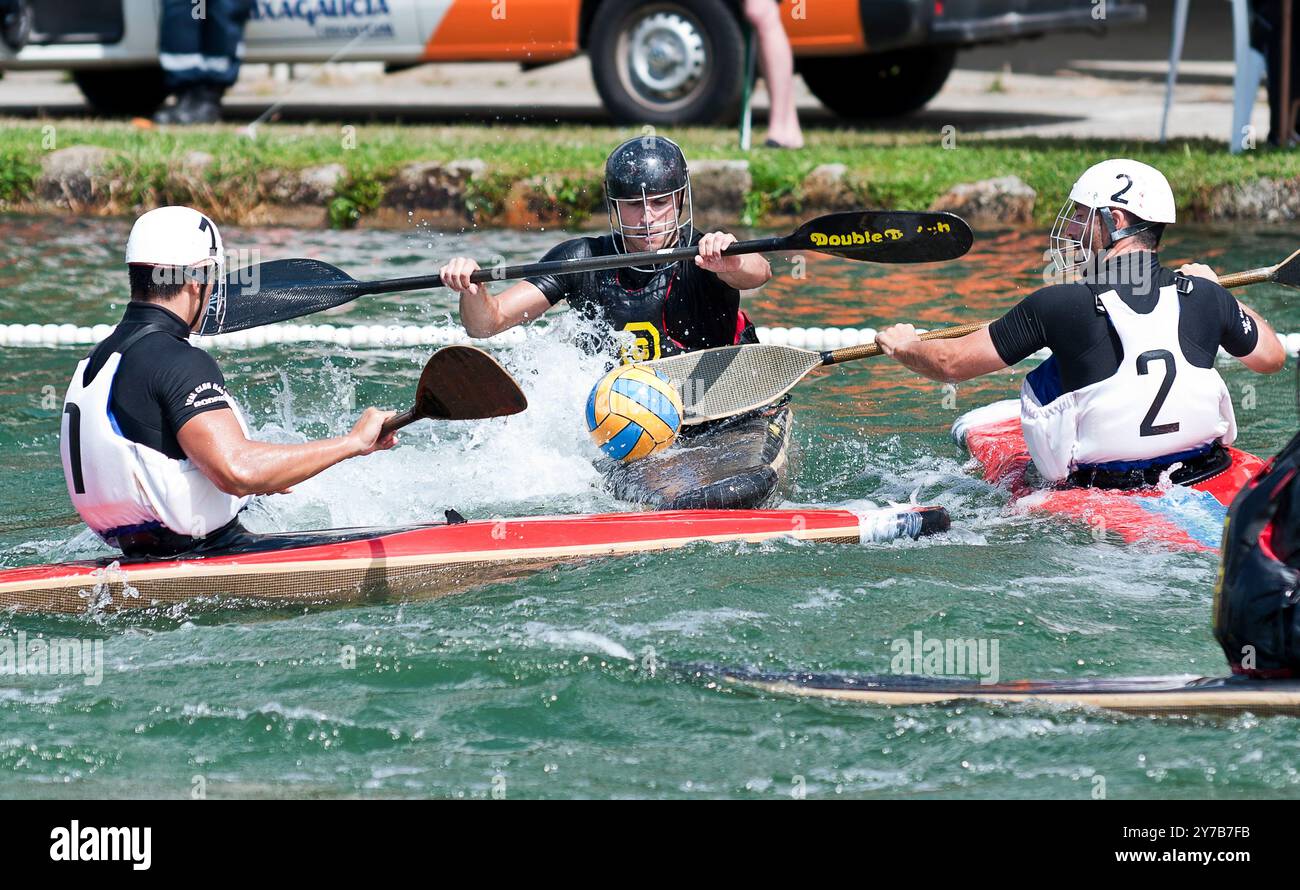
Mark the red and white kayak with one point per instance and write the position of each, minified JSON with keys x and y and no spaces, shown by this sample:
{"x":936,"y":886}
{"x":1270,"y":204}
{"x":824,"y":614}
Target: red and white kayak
{"x":348,"y":565}
{"x":1179,"y":516}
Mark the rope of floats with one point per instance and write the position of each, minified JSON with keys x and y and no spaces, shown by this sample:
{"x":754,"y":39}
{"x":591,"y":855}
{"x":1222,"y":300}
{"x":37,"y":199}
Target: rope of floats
{"x":395,"y":335}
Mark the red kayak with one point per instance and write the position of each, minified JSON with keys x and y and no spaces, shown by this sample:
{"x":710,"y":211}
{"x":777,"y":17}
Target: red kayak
{"x":1178,"y":516}
{"x":348,"y":565}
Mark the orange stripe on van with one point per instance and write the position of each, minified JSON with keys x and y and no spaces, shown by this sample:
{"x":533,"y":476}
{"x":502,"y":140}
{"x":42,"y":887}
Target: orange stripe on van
{"x":835,"y":29}
{"x":506,"y":30}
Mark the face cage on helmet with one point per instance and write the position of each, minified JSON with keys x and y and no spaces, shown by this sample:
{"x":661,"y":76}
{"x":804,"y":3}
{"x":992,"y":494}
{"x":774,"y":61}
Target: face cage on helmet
{"x":214,"y":314}
{"x":1071,"y":254}
{"x":682,"y":204}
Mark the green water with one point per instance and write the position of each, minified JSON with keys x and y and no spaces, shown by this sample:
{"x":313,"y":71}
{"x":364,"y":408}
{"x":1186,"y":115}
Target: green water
{"x":533,"y":688}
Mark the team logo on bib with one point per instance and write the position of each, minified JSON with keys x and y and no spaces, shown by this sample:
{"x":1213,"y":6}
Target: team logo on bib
{"x":646,"y":348}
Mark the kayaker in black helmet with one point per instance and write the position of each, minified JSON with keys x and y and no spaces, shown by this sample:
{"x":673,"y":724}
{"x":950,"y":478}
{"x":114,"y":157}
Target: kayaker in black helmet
{"x":1131,"y":389}
{"x":664,"y":307}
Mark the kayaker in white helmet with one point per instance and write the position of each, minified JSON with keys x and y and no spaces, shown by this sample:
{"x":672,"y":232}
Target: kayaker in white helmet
{"x":1131,"y":388}
{"x":156,"y":453}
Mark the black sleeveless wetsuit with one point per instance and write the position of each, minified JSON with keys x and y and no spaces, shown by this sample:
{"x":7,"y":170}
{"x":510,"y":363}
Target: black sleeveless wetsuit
{"x":677,"y":308}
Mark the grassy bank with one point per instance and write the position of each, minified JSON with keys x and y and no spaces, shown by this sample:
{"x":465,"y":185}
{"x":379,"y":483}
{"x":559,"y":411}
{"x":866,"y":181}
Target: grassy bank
{"x":904,"y":170}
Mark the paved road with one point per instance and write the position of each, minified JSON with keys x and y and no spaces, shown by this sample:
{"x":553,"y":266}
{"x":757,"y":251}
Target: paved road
{"x":988,"y":102}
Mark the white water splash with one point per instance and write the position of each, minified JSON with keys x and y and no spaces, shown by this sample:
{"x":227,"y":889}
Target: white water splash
{"x":537,"y":461}
{"x":581,"y":640}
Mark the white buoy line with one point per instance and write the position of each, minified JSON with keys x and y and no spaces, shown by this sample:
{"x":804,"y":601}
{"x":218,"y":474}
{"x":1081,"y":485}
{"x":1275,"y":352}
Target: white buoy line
{"x":392,"y":335}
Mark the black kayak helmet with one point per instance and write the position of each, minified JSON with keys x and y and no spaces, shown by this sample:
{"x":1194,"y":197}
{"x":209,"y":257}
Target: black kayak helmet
{"x":638,"y":172}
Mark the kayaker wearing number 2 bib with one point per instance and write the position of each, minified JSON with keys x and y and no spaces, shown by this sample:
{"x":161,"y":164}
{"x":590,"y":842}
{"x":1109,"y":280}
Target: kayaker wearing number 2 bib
{"x":155,"y":451}
{"x":668,"y":307}
{"x":1131,"y":388}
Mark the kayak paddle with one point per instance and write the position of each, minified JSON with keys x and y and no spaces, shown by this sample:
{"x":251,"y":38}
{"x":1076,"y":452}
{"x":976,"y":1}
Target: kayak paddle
{"x":730,"y":380}
{"x":282,"y":289}
{"x":1286,"y":272}
{"x":461,"y":383}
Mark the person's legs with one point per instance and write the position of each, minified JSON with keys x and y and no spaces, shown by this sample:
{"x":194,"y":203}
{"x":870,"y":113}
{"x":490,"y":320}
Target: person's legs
{"x":1295,"y":74}
{"x":179,"y":52}
{"x":200,"y":46}
{"x":778,"y":70}
{"x":1266,"y":36}
{"x":222,"y":47}
{"x":223,"y":40}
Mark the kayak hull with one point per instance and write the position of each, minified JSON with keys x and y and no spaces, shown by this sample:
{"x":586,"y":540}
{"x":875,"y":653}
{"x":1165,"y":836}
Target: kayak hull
{"x":1171,"y":696}
{"x":739,"y":464}
{"x":425,"y":561}
{"x":1182,"y":517}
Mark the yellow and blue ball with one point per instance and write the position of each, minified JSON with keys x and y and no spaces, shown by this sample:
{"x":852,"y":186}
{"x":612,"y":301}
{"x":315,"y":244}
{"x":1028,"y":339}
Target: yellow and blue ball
{"x":633,"y":412}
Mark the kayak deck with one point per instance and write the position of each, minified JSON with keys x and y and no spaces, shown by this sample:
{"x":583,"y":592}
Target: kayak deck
{"x":739,"y":464}
{"x":1134,"y":695}
{"x":353,"y":565}
{"x":1182,"y":517}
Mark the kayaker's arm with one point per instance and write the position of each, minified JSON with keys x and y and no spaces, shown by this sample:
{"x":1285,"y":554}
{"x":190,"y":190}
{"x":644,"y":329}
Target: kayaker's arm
{"x":484,"y":315}
{"x":1268,"y":356}
{"x":743,"y":272}
{"x":240,"y":466}
{"x":948,"y":361}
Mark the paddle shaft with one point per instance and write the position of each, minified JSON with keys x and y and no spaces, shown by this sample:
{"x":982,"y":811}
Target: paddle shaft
{"x":870,"y":350}
{"x":1285,"y":273}
{"x":623,"y":260}
{"x":397,"y":421}
{"x":1250,"y":276}
{"x":577,"y":264}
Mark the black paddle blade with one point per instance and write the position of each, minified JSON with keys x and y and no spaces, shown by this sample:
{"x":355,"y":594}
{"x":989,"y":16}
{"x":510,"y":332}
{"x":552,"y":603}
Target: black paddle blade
{"x":1289,"y":272}
{"x":465,"y":383}
{"x":267,"y":293}
{"x":886,"y":236}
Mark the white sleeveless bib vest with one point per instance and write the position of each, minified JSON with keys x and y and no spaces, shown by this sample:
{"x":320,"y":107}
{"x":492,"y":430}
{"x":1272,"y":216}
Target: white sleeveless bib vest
{"x":119,"y":486}
{"x":1157,"y":403}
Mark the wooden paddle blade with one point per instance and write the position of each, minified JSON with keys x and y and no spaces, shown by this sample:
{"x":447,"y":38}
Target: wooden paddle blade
{"x":730,"y":380}
{"x":465,"y":383}
{"x":886,"y":236}
{"x":279,"y":290}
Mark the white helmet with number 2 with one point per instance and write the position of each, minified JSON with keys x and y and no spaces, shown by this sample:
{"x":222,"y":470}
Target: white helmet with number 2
{"x":183,"y":238}
{"x":1117,"y":184}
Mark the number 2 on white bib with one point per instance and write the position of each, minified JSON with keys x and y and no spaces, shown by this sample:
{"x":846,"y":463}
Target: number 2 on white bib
{"x":1149,"y":427}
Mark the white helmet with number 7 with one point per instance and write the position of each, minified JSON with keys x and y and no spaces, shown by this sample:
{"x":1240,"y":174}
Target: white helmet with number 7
{"x":1117,"y":184}
{"x":182,"y":238}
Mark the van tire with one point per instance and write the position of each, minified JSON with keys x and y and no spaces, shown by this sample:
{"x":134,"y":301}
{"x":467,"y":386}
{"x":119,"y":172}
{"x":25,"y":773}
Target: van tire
{"x":703,"y":89}
{"x":886,"y":84}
